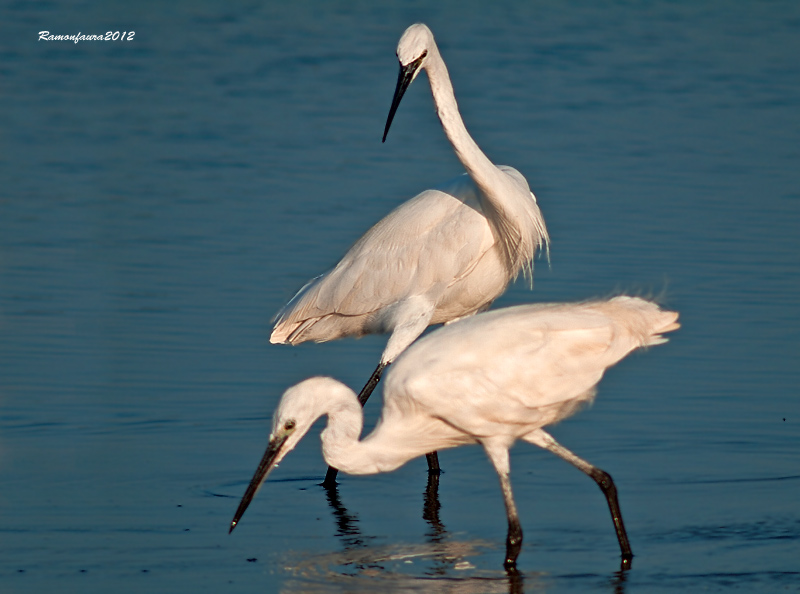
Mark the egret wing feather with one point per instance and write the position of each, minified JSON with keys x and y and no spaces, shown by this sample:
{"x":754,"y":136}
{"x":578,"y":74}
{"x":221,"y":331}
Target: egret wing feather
{"x":541,"y":361}
{"x":393,"y":261}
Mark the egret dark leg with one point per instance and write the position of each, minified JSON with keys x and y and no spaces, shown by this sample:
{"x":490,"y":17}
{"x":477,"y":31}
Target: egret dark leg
{"x":606,"y":484}
{"x":330,"y":476}
{"x":514,"y":537}
{"x":433,"y":464}
{"x":371,"y":383}
{"x":603,"y":480}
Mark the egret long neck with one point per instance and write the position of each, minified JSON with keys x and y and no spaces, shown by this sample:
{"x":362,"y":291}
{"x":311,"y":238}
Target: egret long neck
{"x":388,"y":447}
{"x":509,"y":205}
{"x":477,"y":164}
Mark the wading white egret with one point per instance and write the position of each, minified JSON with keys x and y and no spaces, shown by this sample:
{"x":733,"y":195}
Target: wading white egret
{"x":445,"y":254}
{"x":490,"y":379}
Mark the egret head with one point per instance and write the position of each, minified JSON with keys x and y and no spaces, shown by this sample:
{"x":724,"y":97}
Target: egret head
{"x":414,"y":44}
{"x":412,"y":50}
{"x":299,"y":407}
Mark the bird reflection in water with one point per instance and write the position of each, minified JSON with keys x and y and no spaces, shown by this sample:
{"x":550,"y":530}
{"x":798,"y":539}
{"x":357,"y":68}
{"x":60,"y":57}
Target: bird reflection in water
{"x":439,"y":566}
{"x":362,"y":566}
{"x":444,"y":554}
{"x":445,"y":558}
{"x":346,"y":523}
{"x":431,"y":507}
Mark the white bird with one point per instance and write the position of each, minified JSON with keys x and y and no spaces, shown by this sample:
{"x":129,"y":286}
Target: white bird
{"x":446,"y":254}
{"x":490,"y":379}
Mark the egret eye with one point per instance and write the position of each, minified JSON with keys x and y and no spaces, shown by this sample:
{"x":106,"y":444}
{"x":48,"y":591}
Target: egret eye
{"x":289,"y":425}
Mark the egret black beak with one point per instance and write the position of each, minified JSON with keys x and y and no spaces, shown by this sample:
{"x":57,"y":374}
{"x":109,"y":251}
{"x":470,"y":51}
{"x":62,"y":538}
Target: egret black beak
{"x":265,"y":466}
{"x":407,"y":74}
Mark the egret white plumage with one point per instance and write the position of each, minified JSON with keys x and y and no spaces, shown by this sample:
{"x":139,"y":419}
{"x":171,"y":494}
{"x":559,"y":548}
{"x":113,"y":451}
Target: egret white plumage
{"x":490,"y":379}
{"x":445,"y":254}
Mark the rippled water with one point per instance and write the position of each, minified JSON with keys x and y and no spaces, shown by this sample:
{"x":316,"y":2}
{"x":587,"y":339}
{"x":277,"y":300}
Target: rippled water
{"x":162,"y":198}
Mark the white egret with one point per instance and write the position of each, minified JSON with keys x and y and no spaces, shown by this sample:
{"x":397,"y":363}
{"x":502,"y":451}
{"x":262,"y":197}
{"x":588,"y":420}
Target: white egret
{"x":490,"y":379}
{"x":446,"y":254}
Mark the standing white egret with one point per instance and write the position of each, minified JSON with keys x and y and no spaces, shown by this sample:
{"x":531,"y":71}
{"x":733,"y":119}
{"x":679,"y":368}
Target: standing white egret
{"x":491,"y":379}
{"x":446,"y":254}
